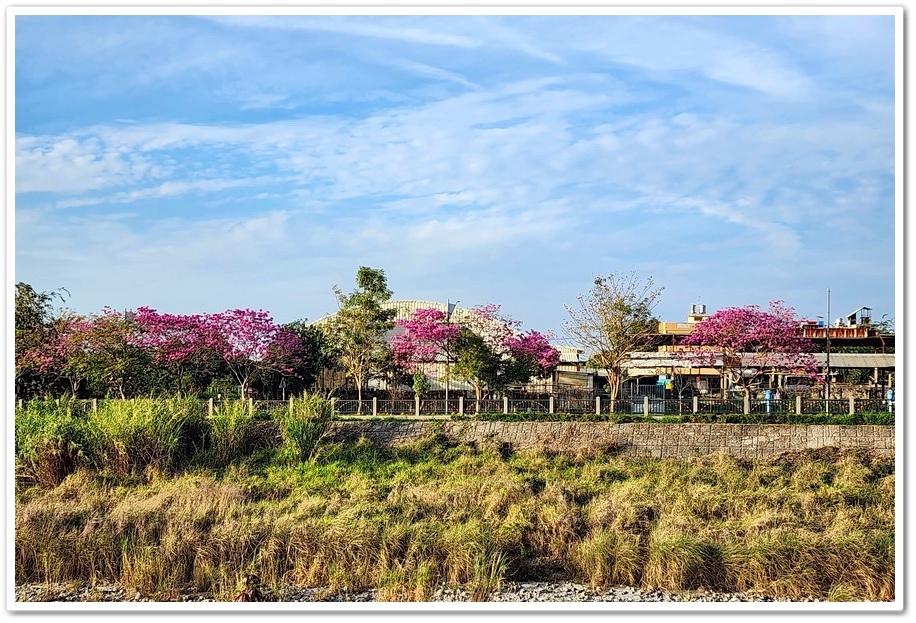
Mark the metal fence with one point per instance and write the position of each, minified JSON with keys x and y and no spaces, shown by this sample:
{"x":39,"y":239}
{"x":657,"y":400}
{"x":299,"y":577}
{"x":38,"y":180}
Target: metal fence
{"x":641,"y":405}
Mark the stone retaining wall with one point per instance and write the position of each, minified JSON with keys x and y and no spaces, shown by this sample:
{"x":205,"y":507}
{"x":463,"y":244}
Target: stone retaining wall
{"x":644,"y":440}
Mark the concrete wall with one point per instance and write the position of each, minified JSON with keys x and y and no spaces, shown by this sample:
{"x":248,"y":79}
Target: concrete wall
{"x":652,"y":440}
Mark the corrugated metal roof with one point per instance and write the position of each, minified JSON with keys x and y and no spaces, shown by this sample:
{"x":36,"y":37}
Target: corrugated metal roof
{"x":405,"y":308}
{"x":857,"y":360}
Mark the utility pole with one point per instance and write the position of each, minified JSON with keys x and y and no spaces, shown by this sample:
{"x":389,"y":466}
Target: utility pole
{"x":450,"y":307}
{"x":828,"y":351}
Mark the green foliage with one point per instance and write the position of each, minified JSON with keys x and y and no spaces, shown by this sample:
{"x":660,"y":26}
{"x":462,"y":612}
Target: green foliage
{"x":317,"y":353}
{"x":474,"y":361}
{"x":876,"y":419}
{"x":53,"y":439}
{"x":480,"y":364}
{"x":231,"y":431}
{"x":356,"y":333}
{"x":421,"y":384}
{"x":159,"y":434}
{"x":304,"y":425}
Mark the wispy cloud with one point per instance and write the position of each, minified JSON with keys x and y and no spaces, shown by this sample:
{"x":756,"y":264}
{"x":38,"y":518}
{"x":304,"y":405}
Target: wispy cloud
{"x":381,"y":28}
{"x":491,"y":154}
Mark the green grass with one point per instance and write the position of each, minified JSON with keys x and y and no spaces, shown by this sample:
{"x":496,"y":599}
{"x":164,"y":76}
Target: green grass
{"x":407,"y":519}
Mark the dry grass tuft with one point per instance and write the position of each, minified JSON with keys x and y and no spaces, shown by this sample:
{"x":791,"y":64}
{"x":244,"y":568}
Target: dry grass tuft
{"x":410,"y":519}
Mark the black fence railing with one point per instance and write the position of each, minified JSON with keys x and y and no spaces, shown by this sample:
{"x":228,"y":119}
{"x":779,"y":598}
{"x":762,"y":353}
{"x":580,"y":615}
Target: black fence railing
{"x":640,"y":405}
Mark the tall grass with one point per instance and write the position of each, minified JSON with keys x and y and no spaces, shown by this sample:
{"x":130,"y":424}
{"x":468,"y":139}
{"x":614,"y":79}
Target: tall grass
{"x":408,"y":519}
{"x":158,"y":434}
{"x":53,"y":439}
{"x":304,"y":425}
{"x":232,"y":432}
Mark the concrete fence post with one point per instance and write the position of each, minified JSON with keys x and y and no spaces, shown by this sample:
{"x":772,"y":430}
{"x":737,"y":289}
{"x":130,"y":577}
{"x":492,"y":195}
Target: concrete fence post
{"x":21,"y":403}
{"x":416,"y":402}
{"x":550,"y":404}
{"x":645,"y":405}
{"x":852,"y":405}
{"x":290,"y":406}
{"x":210,"y":408}
{"x":251,"y":406}
{"x":696,"y":404}
{"x":747,"y":405}
{"x":95,"y":404}
{"x":597,"y":405}
{"x":375,"y":405}
{"x":460,"y":405}
{"x":798,"y":406}
{"x":505,"y":404}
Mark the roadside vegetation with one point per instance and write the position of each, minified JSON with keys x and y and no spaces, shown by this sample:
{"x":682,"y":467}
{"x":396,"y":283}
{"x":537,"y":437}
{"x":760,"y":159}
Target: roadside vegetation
{"x":161,"y":497}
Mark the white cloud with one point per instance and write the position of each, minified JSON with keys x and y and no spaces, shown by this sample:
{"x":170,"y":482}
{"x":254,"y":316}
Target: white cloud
{"x":67,"y":165}
{"x":355,"y":26}
{"x":673,"y":45}
{"x":550,"y":158}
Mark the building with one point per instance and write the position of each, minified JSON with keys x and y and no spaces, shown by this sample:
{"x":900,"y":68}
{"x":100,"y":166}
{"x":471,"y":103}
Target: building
{"x":566,"y":378}
{"x":668,"y":371}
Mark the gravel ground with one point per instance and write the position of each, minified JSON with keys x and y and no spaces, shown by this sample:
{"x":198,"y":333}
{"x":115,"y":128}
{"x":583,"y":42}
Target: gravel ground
{"x":565,"y":592}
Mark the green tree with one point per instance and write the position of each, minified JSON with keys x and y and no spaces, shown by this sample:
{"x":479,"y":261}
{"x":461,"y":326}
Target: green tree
{"x":35,"y":334}
{"x":315,"y":354}
{"x":491,"y":352}
{"x":421,"y":385}
{"x":614,"y":319}
{"x":103,"y":349}
{"x":475,"y":362}
{"x":358,"y":330}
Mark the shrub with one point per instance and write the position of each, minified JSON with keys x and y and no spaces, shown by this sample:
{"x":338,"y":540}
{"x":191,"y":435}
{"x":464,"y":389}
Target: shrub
{"x":147,"y":433}
{"x":231,"y":431}
{"x":53,"y":439}
{"x":304,"y":425}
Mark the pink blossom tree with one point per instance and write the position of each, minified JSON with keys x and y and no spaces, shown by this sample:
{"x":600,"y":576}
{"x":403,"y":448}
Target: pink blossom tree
{"x":427,"y":336}
{"x":492,"y":352}
{"x":747,"y":342}
{"x":250,"y":343}
{"x":177,"y":343}
{"x":535,"y":347}
{"x":100,"y":348}
{"x":60,"y":355}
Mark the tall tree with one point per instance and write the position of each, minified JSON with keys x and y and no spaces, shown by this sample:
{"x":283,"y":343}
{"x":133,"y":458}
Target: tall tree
{"x":491,"y":352}
{"x":35,"y":331}
{"x":476,"y":361}
{"x":314,"y":355}
{"x":427,"y":337}
{"x":251,"y":344}
{"x":358,"y":330}
{"x":614,"y":319}
{"x":747,"y":342}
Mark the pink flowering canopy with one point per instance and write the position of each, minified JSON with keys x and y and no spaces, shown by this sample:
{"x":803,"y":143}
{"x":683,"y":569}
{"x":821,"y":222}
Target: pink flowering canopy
{"x":172,"y":338}
{"x":250,"y":342}
{"x":747,"y":342}
{"x":535,"y":345}
{"x":426,"y":334}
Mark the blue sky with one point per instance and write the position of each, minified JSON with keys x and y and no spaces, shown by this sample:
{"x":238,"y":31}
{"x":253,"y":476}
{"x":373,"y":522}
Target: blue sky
{"x":196,"y":164}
